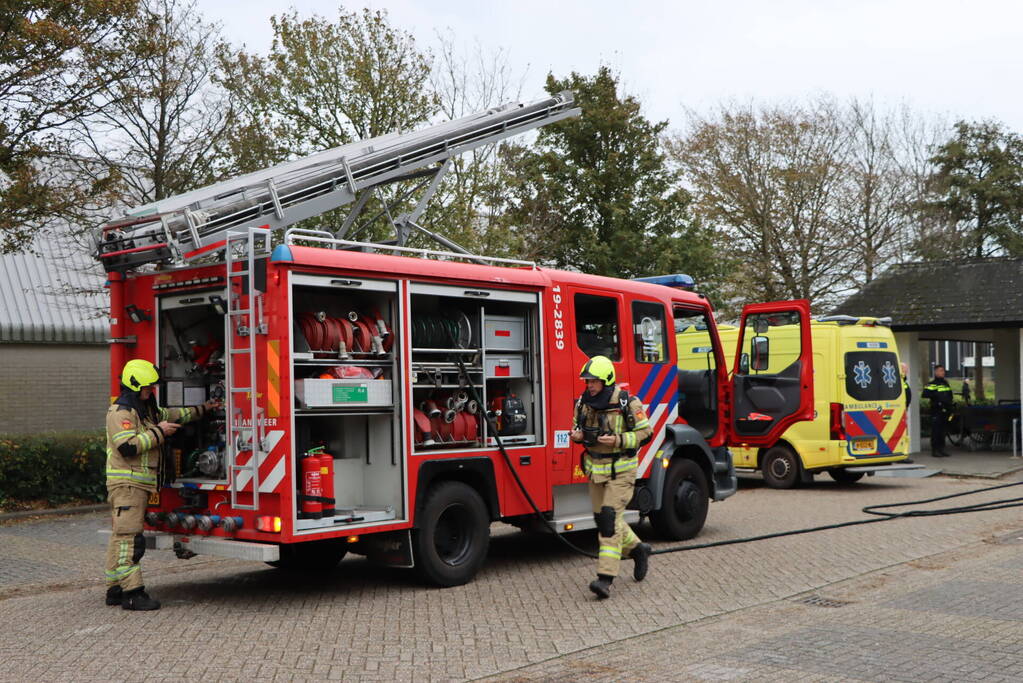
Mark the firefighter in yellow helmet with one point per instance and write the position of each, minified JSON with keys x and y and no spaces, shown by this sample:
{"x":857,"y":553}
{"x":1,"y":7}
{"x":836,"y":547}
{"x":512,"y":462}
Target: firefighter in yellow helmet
{"x":611,"y":424}
{"x":137,"y":428}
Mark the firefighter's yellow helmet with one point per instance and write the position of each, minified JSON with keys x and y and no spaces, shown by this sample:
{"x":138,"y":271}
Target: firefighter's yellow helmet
{"x":139,"y":373}
{"x":599,"y":367}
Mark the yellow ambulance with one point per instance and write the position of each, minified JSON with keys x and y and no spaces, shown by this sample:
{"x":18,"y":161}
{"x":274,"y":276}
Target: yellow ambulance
{"x":860,"y":406}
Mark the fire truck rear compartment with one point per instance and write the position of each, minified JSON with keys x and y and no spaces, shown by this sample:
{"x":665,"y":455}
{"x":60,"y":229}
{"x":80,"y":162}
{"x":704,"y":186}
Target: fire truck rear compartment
{"x":191,"y":361}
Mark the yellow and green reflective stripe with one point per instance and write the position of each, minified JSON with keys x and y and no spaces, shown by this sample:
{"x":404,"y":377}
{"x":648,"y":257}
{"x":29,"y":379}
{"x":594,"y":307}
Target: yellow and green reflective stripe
{"x":623,"y":465}
{"x":630,"y":538}
{"x":642,"y":424}
{"x":121,"y":436}
{"x":163,"y":413}
{"x":130,"y":475}
{"x":610,"y":551}
{"x":629,"y":440}
{"x":121,"y":572}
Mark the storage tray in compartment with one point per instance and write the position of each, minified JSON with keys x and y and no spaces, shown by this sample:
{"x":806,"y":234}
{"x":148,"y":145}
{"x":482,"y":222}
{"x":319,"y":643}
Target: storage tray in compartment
{"x":505,"y":366}
{"x":343,"y":393}
{"x":505,"y":332}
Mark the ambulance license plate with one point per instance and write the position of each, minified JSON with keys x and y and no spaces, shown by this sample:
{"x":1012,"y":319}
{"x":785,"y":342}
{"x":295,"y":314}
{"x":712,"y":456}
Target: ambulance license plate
{"x":864,"y":445}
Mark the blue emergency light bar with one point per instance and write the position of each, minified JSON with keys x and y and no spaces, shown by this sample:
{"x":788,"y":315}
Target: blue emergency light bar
{"x":678,"y":281}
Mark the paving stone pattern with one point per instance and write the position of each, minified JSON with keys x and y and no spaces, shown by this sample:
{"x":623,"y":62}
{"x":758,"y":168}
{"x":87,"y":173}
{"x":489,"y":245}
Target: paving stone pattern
{"x":699,"y":615}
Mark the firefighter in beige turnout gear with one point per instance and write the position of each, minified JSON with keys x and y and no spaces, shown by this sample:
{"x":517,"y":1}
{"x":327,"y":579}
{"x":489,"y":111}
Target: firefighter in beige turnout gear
{"x":137,"y":428}
{"x":611,"y":427}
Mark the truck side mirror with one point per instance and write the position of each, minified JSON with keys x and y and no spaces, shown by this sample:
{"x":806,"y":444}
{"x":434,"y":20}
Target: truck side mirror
{"x":744,"y":364}
{"x":759,"y":347}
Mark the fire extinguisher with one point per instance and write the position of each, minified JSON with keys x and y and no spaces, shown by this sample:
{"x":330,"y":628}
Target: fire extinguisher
{"x":326,"y":480}
{"x":311,"y":495}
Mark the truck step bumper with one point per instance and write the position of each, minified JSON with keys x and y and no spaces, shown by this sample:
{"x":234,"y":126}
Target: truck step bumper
{"x":211,"y":545}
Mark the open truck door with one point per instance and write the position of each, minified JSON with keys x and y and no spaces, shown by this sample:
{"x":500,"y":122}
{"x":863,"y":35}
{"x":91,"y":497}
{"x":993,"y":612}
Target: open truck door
{"x":772,"y":380}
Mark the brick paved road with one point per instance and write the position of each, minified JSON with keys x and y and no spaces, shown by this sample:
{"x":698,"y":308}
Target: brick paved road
{"x":717,"y":614}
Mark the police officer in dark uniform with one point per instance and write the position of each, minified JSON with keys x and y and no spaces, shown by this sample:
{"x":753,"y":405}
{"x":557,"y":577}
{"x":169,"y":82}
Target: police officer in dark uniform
{"x":940,"y":394}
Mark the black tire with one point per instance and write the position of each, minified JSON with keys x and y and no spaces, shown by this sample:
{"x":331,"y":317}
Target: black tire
{"x":844,"y":476}
{"x":453,"y":534}
{"x":312,"y":556}
{"x":684,"y":505}
{"x":781,"y":468}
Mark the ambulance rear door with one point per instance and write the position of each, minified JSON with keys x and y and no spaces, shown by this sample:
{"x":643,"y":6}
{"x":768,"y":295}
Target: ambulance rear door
{"x":772,"y":380}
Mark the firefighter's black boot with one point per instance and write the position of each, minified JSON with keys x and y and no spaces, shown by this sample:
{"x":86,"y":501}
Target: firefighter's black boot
{"x":641,"y":557}
{"x":139,"y":600}
{"x":602,"y":586}
{"x":114,"y":595}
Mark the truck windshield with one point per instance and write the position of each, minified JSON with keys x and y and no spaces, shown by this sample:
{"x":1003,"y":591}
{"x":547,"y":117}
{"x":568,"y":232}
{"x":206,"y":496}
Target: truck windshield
{"x":872,"y":375}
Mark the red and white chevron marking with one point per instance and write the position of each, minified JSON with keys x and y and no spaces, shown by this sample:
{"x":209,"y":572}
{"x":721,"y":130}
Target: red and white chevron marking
{"x":271,"y":465}
{"x":660,"y":419}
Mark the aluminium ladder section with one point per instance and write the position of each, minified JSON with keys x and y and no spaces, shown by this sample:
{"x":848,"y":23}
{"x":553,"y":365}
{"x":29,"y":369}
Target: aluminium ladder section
{"x":195,"y":222}
{"x":246,"y":322}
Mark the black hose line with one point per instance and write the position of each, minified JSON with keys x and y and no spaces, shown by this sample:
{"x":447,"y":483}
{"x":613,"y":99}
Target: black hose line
{"x":492,"y":428}
{"x":876,"y":510}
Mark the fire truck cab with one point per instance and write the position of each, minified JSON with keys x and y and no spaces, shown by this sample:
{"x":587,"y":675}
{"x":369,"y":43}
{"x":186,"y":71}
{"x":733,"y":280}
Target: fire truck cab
{"x":394,"y":401}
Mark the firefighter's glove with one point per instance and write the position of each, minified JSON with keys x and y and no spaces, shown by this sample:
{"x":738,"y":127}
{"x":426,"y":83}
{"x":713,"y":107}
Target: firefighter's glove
{"x":608,"y":439}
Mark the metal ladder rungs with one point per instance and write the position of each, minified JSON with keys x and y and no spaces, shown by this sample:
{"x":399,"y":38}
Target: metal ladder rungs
{"x":248,"y":350}
{"x":240,"y":389}
{"x":241,"y":311}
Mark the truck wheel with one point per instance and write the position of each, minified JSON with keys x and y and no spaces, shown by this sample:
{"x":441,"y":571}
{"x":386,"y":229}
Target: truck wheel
{"x":844,"y":476}
{"x":453,"y":535}
{"x":781,"y":468}
{"x":314,"y":556}
{"x":684,"y":506}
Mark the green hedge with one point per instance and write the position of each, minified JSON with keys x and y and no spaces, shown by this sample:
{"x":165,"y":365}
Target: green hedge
{"x":58,"y":467}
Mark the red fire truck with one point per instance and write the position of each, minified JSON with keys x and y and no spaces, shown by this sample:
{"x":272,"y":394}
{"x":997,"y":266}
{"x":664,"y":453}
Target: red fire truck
{"x":380,"y":398}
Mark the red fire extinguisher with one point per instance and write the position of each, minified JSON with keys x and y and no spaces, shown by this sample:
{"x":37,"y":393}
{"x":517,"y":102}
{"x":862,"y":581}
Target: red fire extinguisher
{"x":311,"y":495}
{"x":326,"y":480}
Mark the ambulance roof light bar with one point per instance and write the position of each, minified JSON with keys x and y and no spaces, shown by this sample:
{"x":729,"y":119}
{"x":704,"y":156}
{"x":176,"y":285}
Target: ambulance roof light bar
{"x":677,"y":281}
{"x":195,"y":223}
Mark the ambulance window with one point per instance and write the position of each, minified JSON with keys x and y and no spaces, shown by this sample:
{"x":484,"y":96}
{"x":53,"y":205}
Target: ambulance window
{"x":596,"y":326}
{"x":648,"y":332}
{"x":872,"y":375}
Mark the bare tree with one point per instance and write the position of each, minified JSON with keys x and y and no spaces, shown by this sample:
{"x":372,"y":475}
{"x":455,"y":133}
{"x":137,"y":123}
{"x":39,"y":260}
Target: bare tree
{"x":465,"y":81}
{"x":769,"y":178}
{"x":876,"y":200}
{"x":162,"y":133}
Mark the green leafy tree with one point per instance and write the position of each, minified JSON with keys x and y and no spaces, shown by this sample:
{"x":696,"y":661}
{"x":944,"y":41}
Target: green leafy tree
{"x":977,"y":189}
{"x":324,"y":84}
{"x":597,"y":194}
{"x":48,"y":53}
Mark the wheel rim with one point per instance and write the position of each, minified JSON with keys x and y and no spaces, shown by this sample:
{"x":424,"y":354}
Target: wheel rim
{"x":780,"y":468}
{"x":452,"y":536}
{"x":687,"y":497}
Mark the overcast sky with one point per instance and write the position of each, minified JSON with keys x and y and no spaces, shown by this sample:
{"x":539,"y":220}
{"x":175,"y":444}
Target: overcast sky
{"x":944,"y":57}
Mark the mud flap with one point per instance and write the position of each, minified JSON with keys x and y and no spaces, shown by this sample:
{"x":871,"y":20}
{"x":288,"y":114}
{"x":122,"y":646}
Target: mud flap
{"x":392,"y":549}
